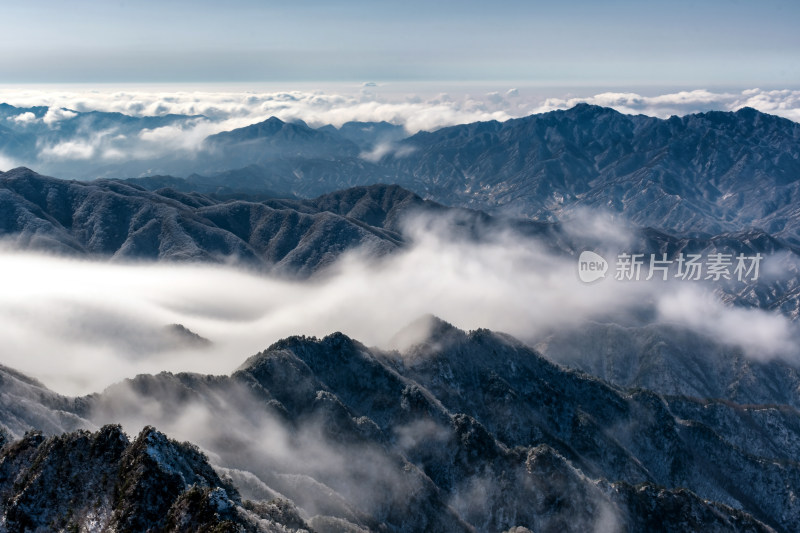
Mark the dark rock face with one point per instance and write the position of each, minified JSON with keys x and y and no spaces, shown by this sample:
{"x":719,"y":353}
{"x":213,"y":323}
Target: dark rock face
{"x":495,"y":427}
{"x":121,"y":221}
{"x":183,"y":336}
{"x":153,"y":475}
{"x":103,"y":481}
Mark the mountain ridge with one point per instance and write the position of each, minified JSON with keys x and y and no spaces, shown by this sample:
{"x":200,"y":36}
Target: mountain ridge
{"x":462,"y":411}
{"x":682,"y":174}
{"x":122,"y":221}
{"x":597,"y":157}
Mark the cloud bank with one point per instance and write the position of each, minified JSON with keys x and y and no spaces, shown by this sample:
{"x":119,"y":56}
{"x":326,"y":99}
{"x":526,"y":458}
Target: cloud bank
{"x":231,"y":109}
{"x":784,"y":103}
{"x":81,"y":325}
{"x":416,"y":108}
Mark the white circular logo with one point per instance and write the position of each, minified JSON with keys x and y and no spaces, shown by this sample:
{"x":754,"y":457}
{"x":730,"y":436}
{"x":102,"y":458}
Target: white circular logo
{"x":591,"y":267}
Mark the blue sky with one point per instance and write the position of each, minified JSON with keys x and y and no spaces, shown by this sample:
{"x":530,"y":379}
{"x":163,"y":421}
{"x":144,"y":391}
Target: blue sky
{"x":678,"y":43}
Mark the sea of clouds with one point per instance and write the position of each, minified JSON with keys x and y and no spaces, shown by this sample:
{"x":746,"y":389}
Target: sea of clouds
{"x":207,"y":110}
{"x":420,"y":107}
{"x":81,"y":325}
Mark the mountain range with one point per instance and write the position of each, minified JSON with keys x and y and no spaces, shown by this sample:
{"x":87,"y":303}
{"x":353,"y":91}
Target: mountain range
{"x":690,"y":175}
{"x":696,"y":173}
{"x":111,"y":219}
{"x":122,"y":221}
{"x":460,"y":432}
{"x":619,"y":423}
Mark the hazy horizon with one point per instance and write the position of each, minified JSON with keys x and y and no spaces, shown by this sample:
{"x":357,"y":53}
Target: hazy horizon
{"x":586,"y":43}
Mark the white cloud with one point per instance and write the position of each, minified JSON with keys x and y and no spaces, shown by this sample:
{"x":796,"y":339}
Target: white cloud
{"x":186,"y":135}
{"x":382,"y":149}
{"x":69,"y":150}
{"x":106,"y":145}
{"x":24,"y":118}
{"x":95,"y":314}
{"x":7,"y":163}
{"x":312,"y":106}
{"x":101,"y":318}
{"x":57,"y":114}
{"x":610,"y":229}
{"x":299,"y":461}
{"x":495,"y":98}
{"x":417,"y":108}
{"x":761,"y":334}
{"x":785,"y":103}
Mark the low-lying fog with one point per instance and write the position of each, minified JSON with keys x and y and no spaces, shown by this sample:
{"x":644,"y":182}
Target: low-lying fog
{"x":79,"y":326}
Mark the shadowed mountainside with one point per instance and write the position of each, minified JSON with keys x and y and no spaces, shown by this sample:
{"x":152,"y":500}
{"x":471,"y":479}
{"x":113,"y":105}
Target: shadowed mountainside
{"x":469,"y":428}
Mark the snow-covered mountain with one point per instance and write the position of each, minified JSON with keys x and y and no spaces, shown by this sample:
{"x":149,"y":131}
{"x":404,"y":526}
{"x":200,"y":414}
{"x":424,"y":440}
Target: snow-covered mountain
{"x":460,"y":431}
{"x":623,"y":423}
{"x":694,"y":174}
{"x":103,"y":481}
{"x":698,"y":173}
